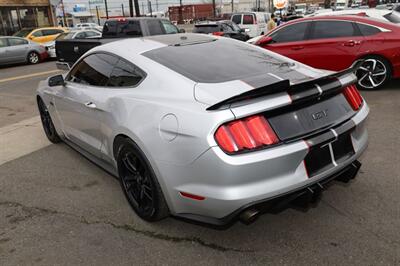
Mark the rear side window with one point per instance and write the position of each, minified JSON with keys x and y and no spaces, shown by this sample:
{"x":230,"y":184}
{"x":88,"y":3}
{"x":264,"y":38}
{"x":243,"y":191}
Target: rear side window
{"x":15,"y":41}
{"x":155,"y":27}
{"x":169,"y":27}
{"x":237,"y":19}
{"x":3,"y":42}
{"x":367,"y":30}
{"x":51,"y":32}
{"x":291,"y":33}
{"x":37,"y":33}
{"x":332,"y":29}
{"x":248,"y":19}
{"x":93,"y":70}
{"x":125,"y":74}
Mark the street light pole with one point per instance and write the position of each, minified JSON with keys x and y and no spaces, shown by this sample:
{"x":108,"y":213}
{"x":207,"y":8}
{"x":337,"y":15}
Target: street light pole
{"x":105,"y":3}
{"x":137,"y":9}
{"x":63,"y":10}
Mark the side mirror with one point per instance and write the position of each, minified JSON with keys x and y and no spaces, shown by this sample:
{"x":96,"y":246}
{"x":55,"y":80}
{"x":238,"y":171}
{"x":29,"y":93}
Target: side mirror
{"x":182,"y":31}
{"x":56,"y":81}
{"x":264,"y":41}
{"x":246,"y":30}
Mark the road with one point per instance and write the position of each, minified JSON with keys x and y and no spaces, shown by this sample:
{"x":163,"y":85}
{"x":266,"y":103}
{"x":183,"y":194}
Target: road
{"x":58,"y":208}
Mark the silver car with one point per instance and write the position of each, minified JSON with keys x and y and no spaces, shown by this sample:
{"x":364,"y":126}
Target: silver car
{"x":73,"y":34}
{"x":19,"y":50}
{"x":207,"y":128}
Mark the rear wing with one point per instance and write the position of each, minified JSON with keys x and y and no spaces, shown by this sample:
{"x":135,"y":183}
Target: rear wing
{"x":298,"y":92}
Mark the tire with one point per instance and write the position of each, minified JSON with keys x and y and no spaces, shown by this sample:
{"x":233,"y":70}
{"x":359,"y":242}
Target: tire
{"x":33,"y":58}
{"x":47,"y":123}
{"x":139,"y":183}
{"x":373,"y":73}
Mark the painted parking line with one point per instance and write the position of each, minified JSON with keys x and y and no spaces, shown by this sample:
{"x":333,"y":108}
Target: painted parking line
{"x":29,"y":75}
{"x":21,"y":138}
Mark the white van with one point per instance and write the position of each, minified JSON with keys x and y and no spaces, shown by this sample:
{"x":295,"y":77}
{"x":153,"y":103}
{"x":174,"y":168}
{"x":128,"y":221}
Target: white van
{"x":255,"y":23}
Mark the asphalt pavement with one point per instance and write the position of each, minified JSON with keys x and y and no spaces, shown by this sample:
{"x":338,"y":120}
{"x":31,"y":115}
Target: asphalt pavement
{"x":58,"y":208}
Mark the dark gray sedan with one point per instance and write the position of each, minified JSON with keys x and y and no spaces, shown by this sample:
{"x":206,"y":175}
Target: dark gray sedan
{"x":19,"y":50}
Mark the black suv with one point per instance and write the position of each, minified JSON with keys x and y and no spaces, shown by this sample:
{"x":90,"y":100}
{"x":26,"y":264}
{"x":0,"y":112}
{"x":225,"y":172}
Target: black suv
{"x":224,"y":28}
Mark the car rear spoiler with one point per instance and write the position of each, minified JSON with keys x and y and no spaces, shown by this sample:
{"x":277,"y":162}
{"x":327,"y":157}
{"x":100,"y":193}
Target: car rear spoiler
{"x":298,"y":91}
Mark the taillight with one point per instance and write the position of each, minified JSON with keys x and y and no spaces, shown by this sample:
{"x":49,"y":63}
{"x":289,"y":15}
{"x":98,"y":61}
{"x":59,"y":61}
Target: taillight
{"x":353,"y":97}
{"x":218,"y":33}
{"x":245,"y":134}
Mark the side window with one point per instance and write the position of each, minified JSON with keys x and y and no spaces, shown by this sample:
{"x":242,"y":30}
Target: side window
{"x":80,"y":35}
{"x":125,"y":74}
{"x":91,"y":33}
{"x":367,"y":30}
{"x":37,"y":33}
{"x":226,"y":28}
{"x":169,"y":27}
{"x":237,"y":19}
{"x":155,"y":27}
{"x":94,"y":70}
{"x":248,"y":19}
{"x":3,"y":42}
{"x":291,"y":33}
{"x":51,"y":32}
{"x":15,"y":41}
{"x":332,"y":29}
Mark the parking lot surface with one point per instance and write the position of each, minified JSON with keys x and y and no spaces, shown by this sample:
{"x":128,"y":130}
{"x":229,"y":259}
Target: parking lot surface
{"x":56,"y":207}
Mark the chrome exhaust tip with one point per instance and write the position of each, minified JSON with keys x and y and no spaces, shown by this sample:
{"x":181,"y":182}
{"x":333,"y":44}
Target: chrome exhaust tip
{"x":249,"y":216}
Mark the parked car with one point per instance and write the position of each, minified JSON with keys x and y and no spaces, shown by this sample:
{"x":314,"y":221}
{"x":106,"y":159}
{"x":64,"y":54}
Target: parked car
{"x":69,"y":50}
{"x":19,"y":50}
{"x":387,"y":15}
{"x":88,"y":26}
{"x":74,"y":34}
{"x":198,"y":133}
{"x":313,"y":42}
{"x":40,"y":35}
{"x":224,"y":28}
{"x":254,"y":22}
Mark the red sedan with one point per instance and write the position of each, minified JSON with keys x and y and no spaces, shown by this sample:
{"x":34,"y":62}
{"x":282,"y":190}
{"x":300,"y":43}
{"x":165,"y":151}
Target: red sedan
{"x":335,"y":42}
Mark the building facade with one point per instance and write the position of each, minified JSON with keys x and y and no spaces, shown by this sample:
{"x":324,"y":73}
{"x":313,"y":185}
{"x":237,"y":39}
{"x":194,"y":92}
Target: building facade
{"x":18,"y":14}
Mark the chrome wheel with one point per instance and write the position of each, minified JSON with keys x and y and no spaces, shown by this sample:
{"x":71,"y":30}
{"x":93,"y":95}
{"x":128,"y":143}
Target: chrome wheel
{"x":372,"y":73}
{"x":33,"y":58}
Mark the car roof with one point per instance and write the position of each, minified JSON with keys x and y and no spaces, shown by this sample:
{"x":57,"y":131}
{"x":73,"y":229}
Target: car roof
{"x":356,"y":18}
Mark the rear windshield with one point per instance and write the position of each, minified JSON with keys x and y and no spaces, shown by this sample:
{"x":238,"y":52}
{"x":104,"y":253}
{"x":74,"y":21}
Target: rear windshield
{"x":129,"y":28}
{"x":205,"y":28}
{"x":217,"y":60}
{"x":22,"y":33}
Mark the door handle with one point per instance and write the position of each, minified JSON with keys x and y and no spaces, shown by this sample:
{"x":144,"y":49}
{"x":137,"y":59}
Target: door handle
{"x":90,"y":105}
{"x":349,"y":43}
{"x":297,"y":47}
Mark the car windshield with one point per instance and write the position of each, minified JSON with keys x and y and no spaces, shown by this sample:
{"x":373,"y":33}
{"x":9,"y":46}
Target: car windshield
{"x":66,"y":35}
{"x":22,"y":33}
{"x":212,"y":61}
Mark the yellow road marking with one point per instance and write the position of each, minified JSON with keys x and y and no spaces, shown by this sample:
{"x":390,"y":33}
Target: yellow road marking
{"x":29,"y":75}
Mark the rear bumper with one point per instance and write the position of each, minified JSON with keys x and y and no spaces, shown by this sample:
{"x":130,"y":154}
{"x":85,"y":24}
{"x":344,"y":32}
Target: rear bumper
{"x":302,"y":197}
{"x":233,"y":183}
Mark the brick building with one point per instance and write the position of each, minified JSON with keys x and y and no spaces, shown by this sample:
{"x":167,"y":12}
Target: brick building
{"x":17,"y":14}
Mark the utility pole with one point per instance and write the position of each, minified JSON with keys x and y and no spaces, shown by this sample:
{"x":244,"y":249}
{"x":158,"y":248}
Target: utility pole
{"x":97,"y":14}
{"x":180,"y":20}
{"x":149,"y":8}
{"x":123,"y":12}
{"x":130,"y":8}
{"x":63,"y":10}
{"x":137,"y":9}
{"x":214,"y":11}
{"x":157,"y":5}
{"x":232,"y":5}
{"x":105,"y":3}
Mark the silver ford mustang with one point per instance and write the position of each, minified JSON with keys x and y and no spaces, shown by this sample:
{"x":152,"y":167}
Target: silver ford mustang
{"x":207,"y":128}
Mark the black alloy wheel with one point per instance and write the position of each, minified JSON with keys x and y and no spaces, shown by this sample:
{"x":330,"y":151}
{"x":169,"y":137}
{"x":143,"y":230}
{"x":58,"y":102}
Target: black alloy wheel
{"x":47,"y":123}
{"x":139,"y":184}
